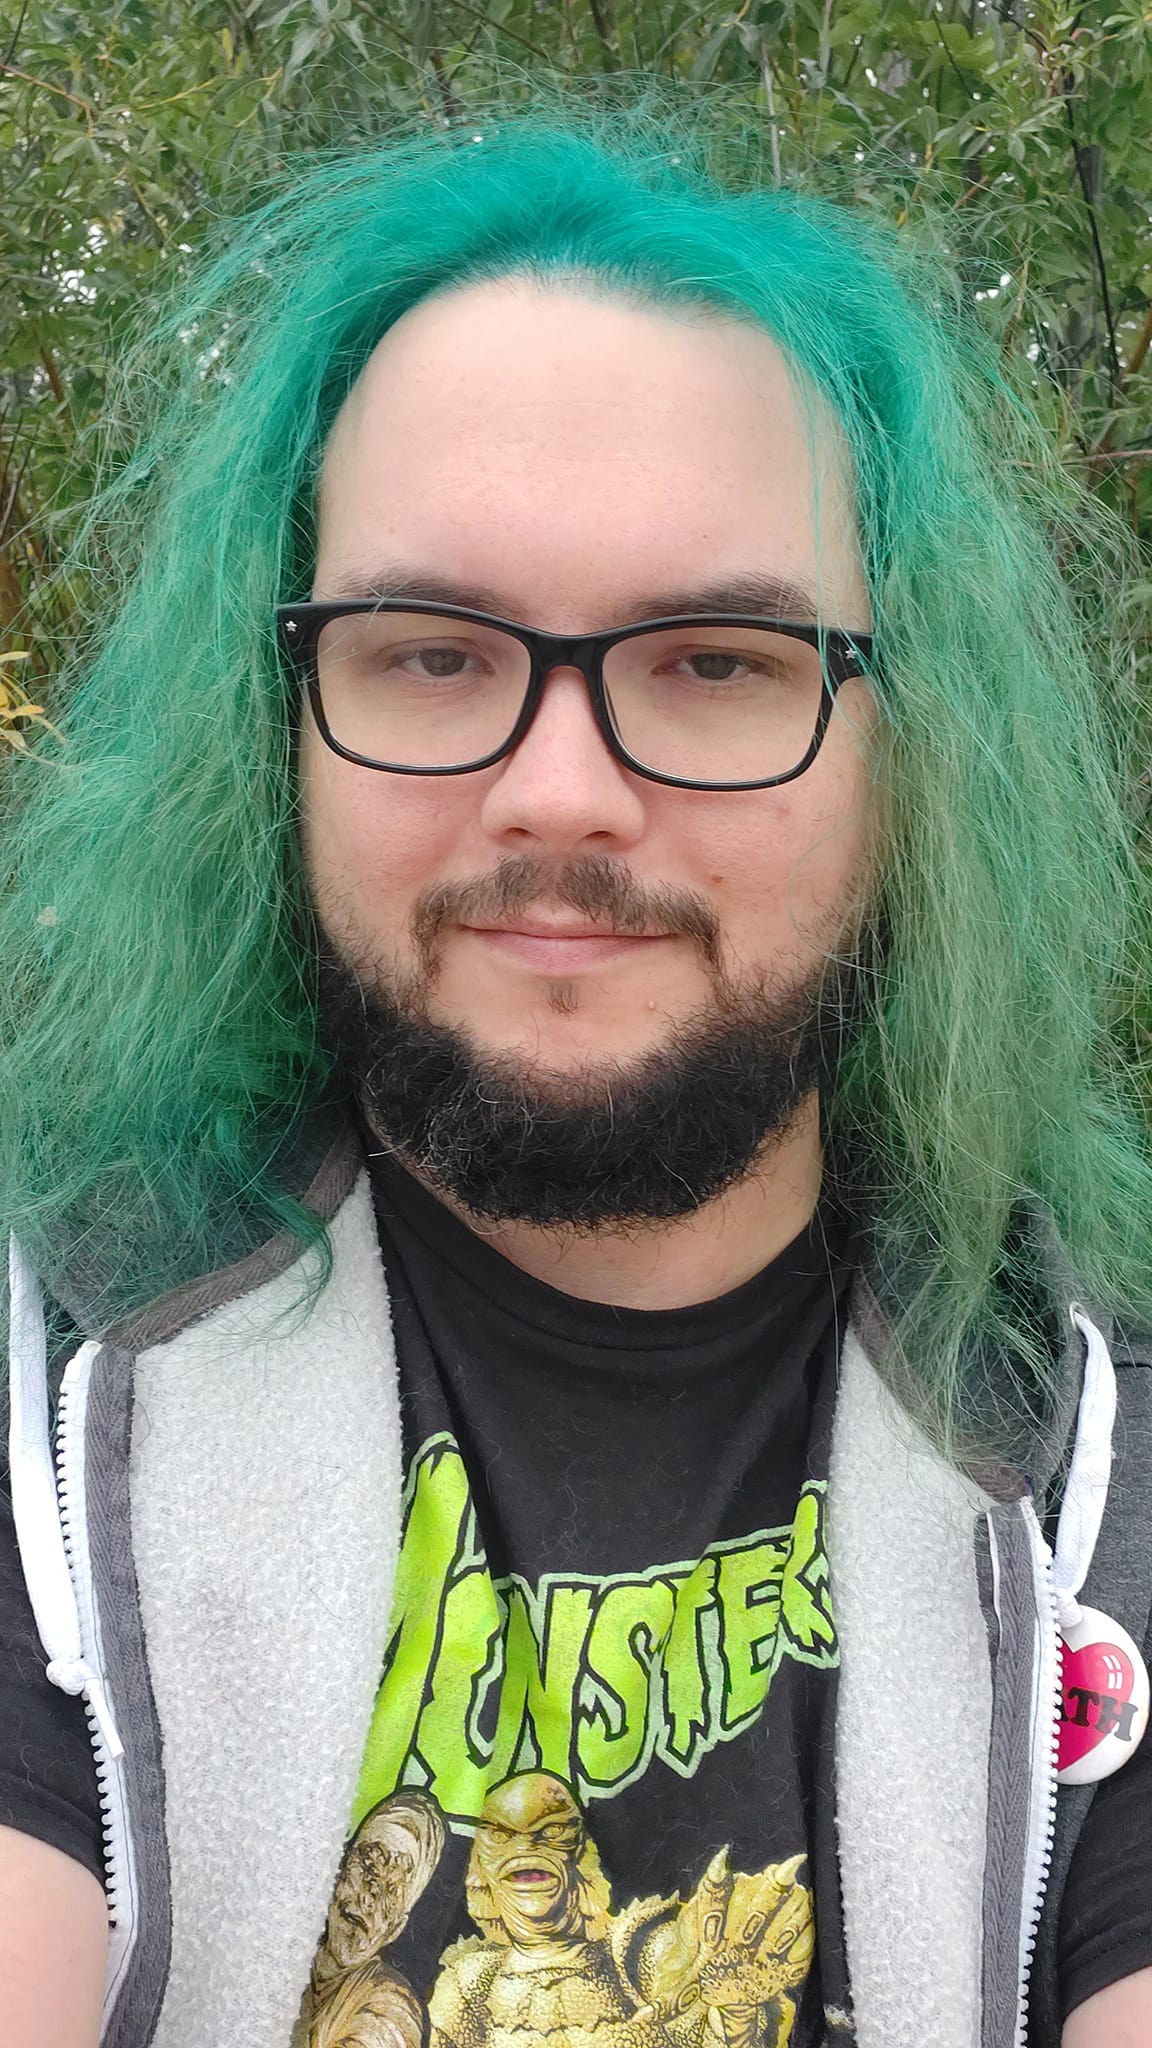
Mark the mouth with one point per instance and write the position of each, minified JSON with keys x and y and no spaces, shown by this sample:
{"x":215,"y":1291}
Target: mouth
{"x":549,"y":946}
{"x":529,"y":1878}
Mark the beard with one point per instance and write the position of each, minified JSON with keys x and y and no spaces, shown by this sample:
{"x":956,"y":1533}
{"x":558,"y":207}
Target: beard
{"x":616,"y":1142}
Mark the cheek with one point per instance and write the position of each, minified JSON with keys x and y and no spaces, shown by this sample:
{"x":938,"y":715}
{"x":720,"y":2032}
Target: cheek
{"x":785,"y":867}
{"x":371,"y":841}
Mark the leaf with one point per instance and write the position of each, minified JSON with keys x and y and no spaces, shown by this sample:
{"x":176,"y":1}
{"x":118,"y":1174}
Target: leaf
{"x":226,"y":41}
{"x":306,"y":41}
{"x":709,"y":56}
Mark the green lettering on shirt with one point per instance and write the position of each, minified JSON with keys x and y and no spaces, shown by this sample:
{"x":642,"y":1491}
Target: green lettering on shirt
{"x":587,"y":1677}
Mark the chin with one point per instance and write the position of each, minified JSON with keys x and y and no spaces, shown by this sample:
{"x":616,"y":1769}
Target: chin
{"x":560,"y":1045}
{"x":567,"y":1019}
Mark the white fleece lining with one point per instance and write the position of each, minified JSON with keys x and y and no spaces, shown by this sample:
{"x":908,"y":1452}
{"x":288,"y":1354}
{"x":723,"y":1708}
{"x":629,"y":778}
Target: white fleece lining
{"x":913,"y":1722}
{"x":266,"y":1490}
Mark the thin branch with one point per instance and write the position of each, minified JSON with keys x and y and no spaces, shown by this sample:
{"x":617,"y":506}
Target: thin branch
{"x":1121,"y":455}
{"x":1143,"y":344}
{"x":770,"y":96}
{"x":52,"y":373}
{"x":846,"y":81}
{"x":150,"y":106}
{"x":1096,"y":457}
{"x":14,"y":442}
{"x":600,"y":21}
{"x":146,"y":210}
{"x":13,"y":501}
{"x":10,"y":52}
{"x":950,"y":57}
{"x":11,"y":71}
{"x":469,"y":51}
{"x":825,"y":48}
{"x":1018,"y":308}
{"x":512,"y":33}
{"x":1093,"y":224}
{"x":452,"y":107}
{"x":970,"y":191}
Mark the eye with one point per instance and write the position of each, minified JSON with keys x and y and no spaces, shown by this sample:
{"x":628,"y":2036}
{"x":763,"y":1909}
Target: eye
{"x":720,"y":665}
{"x":556,"y":1831}
{"x":714,"y":668}
{"x":435,"y":660}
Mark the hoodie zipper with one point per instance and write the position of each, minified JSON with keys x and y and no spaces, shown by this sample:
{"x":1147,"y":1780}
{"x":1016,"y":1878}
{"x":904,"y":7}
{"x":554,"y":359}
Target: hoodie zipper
{"x":1045,"y":1736}
{"x":1056,"y":1582}
{"x":49,"y":1507}
{"x":107,"y":1749}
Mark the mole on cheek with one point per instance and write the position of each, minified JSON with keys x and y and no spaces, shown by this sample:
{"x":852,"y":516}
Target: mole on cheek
{"x":716,"y":880}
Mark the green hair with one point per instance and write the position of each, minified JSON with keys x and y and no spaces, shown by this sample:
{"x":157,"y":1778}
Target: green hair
{"x":157,"y":1016}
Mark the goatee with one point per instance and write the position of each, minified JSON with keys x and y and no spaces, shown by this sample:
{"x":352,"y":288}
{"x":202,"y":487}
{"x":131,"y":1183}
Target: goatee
{"x":617,"y":1142}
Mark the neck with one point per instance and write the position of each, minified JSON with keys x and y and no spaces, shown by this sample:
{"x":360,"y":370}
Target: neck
{"x":690,"y":1259}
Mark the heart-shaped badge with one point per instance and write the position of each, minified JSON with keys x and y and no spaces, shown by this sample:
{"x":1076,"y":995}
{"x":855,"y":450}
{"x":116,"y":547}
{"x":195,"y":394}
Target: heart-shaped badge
{"x":1103,"y":1699}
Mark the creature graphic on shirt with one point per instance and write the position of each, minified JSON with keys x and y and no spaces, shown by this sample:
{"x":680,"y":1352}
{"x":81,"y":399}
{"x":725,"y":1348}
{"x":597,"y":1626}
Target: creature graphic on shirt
{"x":553,"y":1966}
{"x":356,"y":1999}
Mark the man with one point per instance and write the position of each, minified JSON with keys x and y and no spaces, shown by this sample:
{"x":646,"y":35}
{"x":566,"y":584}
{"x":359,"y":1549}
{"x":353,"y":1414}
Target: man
{"x":556,"y":1108}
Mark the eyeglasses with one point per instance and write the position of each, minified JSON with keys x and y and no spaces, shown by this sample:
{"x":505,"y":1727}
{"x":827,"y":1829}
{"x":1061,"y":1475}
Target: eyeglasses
{"x":699,"y":702}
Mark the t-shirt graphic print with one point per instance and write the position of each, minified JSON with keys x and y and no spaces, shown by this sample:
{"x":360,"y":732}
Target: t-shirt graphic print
{"x":594,"y":1809}
{"x":504,"y":1713}
{"x":552,"y":1963}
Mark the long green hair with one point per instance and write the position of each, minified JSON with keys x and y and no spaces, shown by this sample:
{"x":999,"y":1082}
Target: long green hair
{"x":157,"y":1020}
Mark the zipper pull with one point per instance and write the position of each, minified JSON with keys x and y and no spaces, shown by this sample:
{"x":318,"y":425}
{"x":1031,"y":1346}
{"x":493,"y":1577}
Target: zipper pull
{"x":72,"y":1675}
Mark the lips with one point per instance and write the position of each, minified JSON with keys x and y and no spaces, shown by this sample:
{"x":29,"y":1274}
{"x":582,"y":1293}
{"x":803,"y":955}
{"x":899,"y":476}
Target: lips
{"x":558,"y":949}
{"x":524,"y":1874}
{"x":533,"y":928}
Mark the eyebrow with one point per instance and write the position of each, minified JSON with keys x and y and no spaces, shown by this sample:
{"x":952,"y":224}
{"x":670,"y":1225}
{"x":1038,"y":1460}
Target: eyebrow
{"x":758,"y":594}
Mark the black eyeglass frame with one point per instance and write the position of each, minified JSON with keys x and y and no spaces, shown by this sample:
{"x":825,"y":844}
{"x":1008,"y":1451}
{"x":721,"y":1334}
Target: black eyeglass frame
{"x":843,"y":655}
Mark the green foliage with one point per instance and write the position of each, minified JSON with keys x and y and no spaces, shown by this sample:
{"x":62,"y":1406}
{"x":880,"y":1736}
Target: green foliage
{"x":1018,"y":134}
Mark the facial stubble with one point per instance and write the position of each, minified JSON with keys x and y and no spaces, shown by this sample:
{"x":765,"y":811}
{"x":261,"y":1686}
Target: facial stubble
{"x":615,"y":1142}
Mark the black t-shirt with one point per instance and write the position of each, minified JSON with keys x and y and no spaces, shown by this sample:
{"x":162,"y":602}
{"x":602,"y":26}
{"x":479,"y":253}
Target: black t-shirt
{"x":626,"y":1507}
{"x":613,"y":1618}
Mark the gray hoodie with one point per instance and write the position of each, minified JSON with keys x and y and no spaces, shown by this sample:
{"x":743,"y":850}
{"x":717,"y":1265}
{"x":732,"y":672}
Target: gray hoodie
{"x":211,"y":1565}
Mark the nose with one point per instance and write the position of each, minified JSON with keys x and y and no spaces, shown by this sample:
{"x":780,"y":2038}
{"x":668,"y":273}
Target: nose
{"x":562,"y":789}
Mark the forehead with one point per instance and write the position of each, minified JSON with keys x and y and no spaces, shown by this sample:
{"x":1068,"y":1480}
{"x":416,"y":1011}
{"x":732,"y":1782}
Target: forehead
{"x":567,"y":449}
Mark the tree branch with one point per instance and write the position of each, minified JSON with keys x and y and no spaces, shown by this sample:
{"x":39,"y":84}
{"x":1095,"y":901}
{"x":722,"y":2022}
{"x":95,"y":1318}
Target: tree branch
{"x":52,"y":373}
{"x":1101,"y":267}
{"x":11,"y":71}
{"x":600,"y":20}
{"x":1143,"y":344}
{"x":501,"y":28}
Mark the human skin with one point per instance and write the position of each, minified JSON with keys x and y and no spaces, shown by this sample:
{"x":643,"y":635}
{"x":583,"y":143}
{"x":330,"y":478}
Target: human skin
{"x":53,"y":1945}
{"x":564,"y":458}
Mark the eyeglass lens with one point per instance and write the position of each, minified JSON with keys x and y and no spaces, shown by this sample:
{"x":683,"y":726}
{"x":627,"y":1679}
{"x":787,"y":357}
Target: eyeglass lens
{"x":708,"y":703}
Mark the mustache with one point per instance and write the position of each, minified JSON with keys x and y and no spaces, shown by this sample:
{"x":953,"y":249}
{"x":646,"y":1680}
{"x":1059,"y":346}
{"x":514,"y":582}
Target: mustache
{"x":597,"y":886}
